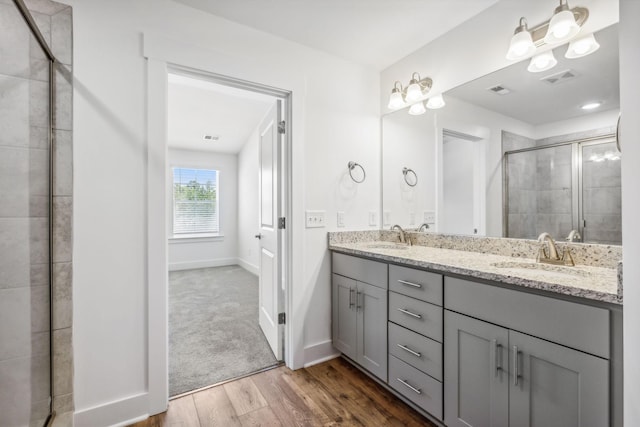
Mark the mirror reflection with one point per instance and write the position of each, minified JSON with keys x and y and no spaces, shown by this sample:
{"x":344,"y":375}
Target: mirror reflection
{"x":513,"y":153}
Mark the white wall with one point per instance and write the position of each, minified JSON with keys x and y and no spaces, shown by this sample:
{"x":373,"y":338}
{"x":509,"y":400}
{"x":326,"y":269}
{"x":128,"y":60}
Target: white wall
{"x":579,"y":124}
{"x":186,"y":253}
{"x":630,"y":130}
{"x":248,"y":182}
{"x":335,"y":120}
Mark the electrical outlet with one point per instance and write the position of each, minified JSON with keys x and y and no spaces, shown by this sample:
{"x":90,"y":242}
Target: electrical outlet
{"x":387,"y":218}
{"x":315,"y":219}
{"x":429,"y":217}
{"x":412,"y":218}
{"x":373,"y":218}
{"x":340,"y":219}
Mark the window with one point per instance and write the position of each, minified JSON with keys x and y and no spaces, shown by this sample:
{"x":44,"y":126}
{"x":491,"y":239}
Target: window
{"x":195,"y":201}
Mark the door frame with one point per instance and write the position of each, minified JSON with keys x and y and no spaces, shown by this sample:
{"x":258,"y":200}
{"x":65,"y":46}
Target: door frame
{"x":157,"y":237}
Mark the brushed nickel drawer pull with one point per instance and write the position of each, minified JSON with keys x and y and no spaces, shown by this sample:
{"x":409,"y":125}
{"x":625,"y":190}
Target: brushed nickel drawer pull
{"x":415,"y":353}
{"x":498,"y":354}
{"x":351,"y":303}
{"x":516,"y":365}
{"x":417,"y":316}
{"x":417,"y":390}
{"x":404,"y":282}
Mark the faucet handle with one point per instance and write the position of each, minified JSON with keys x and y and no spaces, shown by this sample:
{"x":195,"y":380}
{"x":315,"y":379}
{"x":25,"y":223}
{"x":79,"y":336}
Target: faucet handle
{"x":542,"y":253}
{"x":567,"y":258}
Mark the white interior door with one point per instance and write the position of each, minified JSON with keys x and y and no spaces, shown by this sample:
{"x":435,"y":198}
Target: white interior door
{"x":269,"y":235}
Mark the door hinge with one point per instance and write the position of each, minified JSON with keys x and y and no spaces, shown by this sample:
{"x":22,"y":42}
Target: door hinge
{"x":281,"y":127}
{"x":282,"y":223}
{"x":282,"y":318}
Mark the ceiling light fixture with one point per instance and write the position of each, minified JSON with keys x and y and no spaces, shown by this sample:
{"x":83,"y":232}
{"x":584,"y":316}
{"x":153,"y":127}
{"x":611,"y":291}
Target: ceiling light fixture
{"x":435,"y":102}
{"x":416,"y":90}
{"x":582,"y":47}
{"x":542,"y":62}
{"x":563,"y":25}
{"x":417,"y":109}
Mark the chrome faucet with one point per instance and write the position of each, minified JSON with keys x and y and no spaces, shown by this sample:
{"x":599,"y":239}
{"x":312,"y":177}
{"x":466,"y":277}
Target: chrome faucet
{"x":548,"y":252}
{"x":574,"y":236}
{"x":423,"y":225}
{"x":402,"y":238}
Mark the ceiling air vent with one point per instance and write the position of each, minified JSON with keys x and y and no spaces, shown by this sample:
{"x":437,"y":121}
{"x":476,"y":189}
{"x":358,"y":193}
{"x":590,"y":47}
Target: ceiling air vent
{"x":499,"y":89}
{"x":210,"y":138}
{"x":560,"y":77}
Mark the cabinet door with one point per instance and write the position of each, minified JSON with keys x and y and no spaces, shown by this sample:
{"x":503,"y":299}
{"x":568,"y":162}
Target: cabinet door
{"x":476,"y":382}
{"x":344,"y":315}
{"x":556,"y":386}
{"x":372,"y":329}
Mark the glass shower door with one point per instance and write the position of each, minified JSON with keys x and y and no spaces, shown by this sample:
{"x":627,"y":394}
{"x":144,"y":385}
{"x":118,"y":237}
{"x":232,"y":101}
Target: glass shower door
{"x":601,"y":194}
{"x":25,"y":369}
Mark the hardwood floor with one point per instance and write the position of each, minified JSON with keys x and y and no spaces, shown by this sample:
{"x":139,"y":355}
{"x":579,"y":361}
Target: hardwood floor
{"x":329,"y":394}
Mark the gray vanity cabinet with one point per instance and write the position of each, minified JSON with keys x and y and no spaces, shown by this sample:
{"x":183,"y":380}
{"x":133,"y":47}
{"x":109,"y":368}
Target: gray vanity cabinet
{"x":359,"y":312}
{"x":496,"y":376}
{"x":477,"y":380}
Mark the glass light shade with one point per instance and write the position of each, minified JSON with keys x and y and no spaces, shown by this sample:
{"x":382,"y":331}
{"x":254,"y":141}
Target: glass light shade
{"x":435,"y":102}
{"x":521,"y":45}
{"x":414,"y":93}
{"x":417,"y":109}
{"x":582,"y":47}
{"x":395,"y":100}
{"x":542,"y":62}
{"x":562,"y":27}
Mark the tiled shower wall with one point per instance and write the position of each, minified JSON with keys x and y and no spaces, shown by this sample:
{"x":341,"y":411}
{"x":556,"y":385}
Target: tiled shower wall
{"x":24,"y":179}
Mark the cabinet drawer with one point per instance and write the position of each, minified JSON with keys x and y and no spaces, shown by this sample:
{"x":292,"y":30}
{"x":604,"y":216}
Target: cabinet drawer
{"x":574,"y":325}
{"x":416,"y":283}
{"x":416,"y":386}
{"x":419,"y":316}
{"x":422,"y":353}
{"x":363,"y":270}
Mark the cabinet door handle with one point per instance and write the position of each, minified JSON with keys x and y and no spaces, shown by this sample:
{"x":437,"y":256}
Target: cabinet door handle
{"x":351,"y":303}
{"x":415,"y":285}
{"x":406,"y":384}
{"x":516,"y":365}
{"x":415,"y":353}
{"x":498,"y":356}
{"x":417,"y":316}
{"x":359,"y":304}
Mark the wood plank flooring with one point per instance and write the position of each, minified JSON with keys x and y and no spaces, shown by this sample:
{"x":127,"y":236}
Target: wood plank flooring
{"x":329,"y":394}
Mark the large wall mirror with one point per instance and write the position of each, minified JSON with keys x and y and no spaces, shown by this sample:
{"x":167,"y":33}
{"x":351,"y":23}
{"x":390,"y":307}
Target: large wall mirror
{"x":513,"y":154}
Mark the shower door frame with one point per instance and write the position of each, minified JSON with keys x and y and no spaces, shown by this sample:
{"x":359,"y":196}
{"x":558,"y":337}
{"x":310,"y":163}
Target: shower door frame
{"x":577,"y":208}
{"x":35,"y":31}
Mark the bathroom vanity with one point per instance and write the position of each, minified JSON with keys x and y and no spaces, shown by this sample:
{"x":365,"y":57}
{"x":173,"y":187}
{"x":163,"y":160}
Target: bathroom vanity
{"x":481,"y":339}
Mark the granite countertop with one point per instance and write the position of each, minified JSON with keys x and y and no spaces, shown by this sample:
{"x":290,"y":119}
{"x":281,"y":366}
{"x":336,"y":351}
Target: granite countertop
{"x":590,"y":282}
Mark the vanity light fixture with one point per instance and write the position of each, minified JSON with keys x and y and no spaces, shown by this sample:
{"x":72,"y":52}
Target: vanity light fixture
{"x":417,"y":109}
{"x":582,"y":47}
{"x":542,"y":62}
{"x":415,"y":91}
{"x":563,"y":25}
{"x":435,"y":102}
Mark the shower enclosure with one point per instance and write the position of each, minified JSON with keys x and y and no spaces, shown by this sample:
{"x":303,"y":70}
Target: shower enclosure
{"x":562,"y":187}
{"x":28,"y":212}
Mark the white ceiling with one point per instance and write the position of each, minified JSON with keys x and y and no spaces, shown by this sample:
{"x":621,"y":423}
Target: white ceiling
{"x":198,"y":107}
{"x":371,"y":32}
{"x":597,"y":80}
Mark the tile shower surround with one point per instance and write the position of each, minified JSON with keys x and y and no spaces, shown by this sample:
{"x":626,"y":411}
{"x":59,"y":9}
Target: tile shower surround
{"x":23,"y":220}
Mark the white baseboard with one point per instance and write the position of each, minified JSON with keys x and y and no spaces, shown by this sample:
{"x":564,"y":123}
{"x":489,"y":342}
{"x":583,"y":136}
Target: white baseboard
{"x":205,"y":263}
{"x":251,"y":268}
{"x":114,"y":414}
{"x":319,"y":353}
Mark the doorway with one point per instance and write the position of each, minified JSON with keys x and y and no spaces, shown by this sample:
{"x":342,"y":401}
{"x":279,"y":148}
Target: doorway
{"x":226,"y":158}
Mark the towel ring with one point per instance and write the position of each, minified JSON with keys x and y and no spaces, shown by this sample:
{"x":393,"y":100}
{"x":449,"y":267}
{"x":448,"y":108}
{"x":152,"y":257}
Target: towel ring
{"x":352,"y":166}
{"x":406,"y":171}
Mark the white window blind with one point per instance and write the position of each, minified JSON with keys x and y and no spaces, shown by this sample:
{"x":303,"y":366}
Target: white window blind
{"x":195,"y":201}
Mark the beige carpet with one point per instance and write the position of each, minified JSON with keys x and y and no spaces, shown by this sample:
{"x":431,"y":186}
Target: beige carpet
{"x":213,"y":327}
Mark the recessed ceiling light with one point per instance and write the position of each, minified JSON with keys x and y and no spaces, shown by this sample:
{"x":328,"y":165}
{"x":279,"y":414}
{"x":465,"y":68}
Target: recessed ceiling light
{"x":591,"y":105}
{"x":209,"y":138}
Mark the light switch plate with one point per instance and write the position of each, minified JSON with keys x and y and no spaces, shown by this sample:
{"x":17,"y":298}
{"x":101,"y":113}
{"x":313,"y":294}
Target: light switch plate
{"x":387,"y":218}
{"x":373,"y":218}
{"x":340,"y":219}
{"x":315,"y":219}
{"x":412,"y":218}
{"x":429,"y":217}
